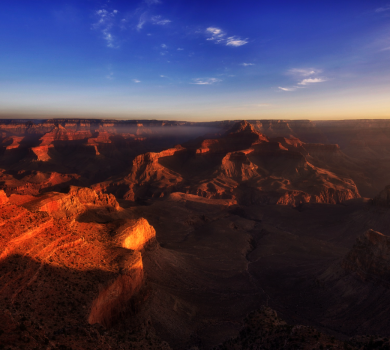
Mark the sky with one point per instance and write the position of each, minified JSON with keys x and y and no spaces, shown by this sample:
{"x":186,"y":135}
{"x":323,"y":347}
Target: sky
{"x":195,"y":60}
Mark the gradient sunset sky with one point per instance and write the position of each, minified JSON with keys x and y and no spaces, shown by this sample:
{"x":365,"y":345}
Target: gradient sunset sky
{"x":195,"y":60}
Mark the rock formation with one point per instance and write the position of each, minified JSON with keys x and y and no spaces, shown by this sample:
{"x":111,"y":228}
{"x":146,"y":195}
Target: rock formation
{"x":72,"y":264}
{"x":242,"y":164}
{"x":115,"y":233}
{"x":369,"y":258}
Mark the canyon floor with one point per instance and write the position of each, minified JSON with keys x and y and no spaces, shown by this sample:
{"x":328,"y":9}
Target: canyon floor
{"x":175,"y":235}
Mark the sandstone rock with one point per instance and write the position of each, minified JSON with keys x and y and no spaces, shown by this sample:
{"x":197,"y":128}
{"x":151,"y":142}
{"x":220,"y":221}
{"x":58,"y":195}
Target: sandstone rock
{"x":135,"y":235}
{"x":73,"y":203}
{"x":3,"y":197}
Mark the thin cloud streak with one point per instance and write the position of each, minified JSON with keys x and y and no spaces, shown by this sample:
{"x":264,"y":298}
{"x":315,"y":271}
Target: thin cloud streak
{"x":205,"y":81}
{"x":287,"y":88}
{"x":159,"y":20}
{"x":383,"y":9}
{"x":304,"y":72}
{"x":311,"y":80}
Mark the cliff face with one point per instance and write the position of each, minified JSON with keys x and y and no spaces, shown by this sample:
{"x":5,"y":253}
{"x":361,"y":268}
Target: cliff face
{"x":113,"y":300}
{"x":369,"y":259}
{"x":242,"y":164}
{"x":383,"y":198}
{"x":69,"y":270}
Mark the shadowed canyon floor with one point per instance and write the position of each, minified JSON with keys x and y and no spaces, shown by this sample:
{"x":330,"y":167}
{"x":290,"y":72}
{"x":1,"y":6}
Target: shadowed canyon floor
{"x":167,"y":235}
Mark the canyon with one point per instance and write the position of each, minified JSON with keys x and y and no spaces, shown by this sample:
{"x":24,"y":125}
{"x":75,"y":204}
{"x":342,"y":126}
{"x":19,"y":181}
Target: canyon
{"x":146,"y":234}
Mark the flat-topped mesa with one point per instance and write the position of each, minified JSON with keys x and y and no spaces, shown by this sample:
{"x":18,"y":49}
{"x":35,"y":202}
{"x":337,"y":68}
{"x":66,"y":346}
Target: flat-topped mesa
{"x":243,"y":129}
{"x":383,"y":197}
{"x":146,"y":164}
{"x":274,"y":128}
{"x":58,"y":133}
{"x":71,"y":204}
{"x":369,"y":258}
{"x":240,"y":136}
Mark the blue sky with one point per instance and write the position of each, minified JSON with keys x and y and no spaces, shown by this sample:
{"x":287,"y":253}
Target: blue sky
{"x":196,"y":60}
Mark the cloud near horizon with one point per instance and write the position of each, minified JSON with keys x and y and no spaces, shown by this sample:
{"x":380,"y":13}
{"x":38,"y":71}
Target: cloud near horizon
{"x":306,"y":76}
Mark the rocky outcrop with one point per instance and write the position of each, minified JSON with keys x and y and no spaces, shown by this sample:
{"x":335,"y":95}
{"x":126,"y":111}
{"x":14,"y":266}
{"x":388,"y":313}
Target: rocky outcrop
{"x":12,"y":142}
{"x":78,"y":266}
{"x":147,"y":170}
{"x":135,"y":235}
{"x":73,"y":203}
{"x":3,"y":197}
{"x":236,"y":165}
{"x":369,"y":259}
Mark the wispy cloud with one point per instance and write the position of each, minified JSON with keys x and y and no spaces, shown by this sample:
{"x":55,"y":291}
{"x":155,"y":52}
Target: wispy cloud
{"x":143,"y":11}
{"x":142,"y":20}
{"x":287,"y":88}
{"x":304,"y":72}
{"x":247,"y":64}
{"x":104,"y":25}
{"x":383,"y":9}
{"x":159,"y":20}
{"x":219,"y":36}
{"x":305,"y":77}
{"x":205,"y":81}
{"x":110,"y":76}
{"x":311,"y":80}
{"x":236,"y":41}
{"x":216,"y":34}
{"x":136,"y":81}
{"x":164,"y":46}
{"x":179,"y":49}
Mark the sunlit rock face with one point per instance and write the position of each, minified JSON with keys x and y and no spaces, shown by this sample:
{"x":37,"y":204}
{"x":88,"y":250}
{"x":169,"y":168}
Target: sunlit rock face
{"x":73,"y":203}
{"x":66,"y":267}
{"x":136,"y":234}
